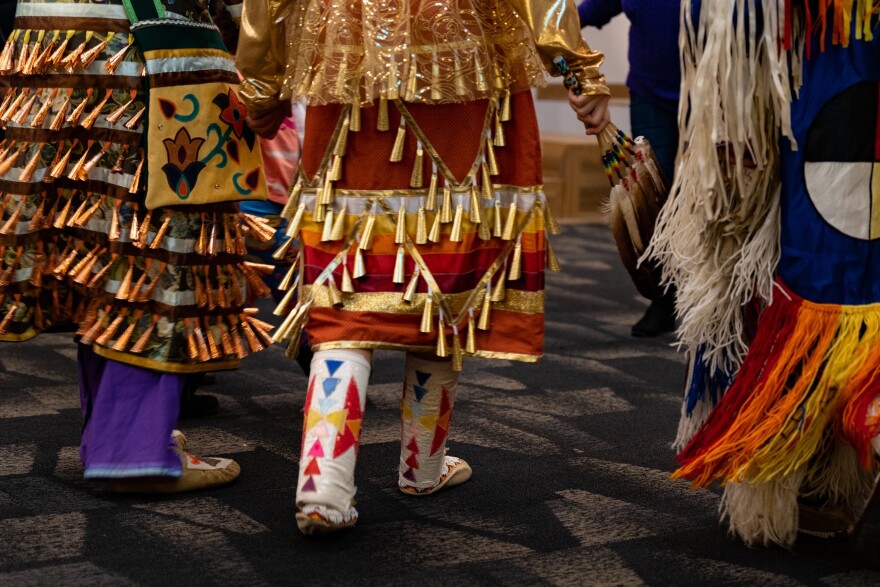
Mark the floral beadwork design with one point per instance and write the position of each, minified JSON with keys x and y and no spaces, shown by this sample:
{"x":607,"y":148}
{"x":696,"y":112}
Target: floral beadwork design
{"x":183,"y":167}
{"x":185,"y":161}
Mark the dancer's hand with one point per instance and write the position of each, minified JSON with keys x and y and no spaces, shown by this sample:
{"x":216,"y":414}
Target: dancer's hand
{"x":592,"y":110}
{"x":267,"y":124}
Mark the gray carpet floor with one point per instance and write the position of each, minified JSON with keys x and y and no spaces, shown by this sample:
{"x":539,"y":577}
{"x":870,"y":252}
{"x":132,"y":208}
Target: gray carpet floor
{"x":571,"y":481}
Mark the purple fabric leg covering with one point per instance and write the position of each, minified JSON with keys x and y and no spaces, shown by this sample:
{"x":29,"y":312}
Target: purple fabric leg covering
{"x":128,"y":416}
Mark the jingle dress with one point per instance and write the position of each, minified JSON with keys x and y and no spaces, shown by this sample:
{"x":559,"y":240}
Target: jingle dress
{"x":149,"y":288}
{"x":161,"y":290}
{"x":419,"y":202}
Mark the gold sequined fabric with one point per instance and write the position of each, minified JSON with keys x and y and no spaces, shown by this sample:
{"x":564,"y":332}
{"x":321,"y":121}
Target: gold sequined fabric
{"x":430,"y":51}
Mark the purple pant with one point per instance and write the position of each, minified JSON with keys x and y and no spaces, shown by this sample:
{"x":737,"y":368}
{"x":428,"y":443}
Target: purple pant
{"x":128,"y":416}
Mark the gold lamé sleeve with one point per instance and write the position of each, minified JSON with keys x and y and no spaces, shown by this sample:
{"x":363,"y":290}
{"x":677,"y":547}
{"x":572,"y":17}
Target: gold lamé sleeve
{"x":556,"y":30}
{"x":260,"y":55}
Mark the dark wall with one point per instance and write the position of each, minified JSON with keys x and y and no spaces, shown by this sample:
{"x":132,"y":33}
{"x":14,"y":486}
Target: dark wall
{"x":7,"y":14}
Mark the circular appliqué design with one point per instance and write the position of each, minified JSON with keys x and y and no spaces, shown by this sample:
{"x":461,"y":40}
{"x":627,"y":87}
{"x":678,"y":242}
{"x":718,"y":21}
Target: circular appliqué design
{"x":842,"y":161}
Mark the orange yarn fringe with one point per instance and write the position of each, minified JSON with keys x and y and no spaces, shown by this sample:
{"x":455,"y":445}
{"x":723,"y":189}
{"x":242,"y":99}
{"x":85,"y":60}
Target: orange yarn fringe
{"x":812,"y":371}
{"x":842,"y":13}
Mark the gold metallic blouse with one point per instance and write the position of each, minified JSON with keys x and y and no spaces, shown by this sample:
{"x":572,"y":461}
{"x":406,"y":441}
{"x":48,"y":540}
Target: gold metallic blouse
{"x":433,"y":51}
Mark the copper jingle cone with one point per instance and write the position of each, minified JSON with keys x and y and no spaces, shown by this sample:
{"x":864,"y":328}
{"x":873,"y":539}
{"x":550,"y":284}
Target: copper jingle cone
{"x":89,"y":336}
{"x":36,"y":220}
{"x":90,"y":119}
{"x":77,"y":112}
{"x":213,"y":345}
{"x":86,"y":58}
{"x":145,"y":337}
{"x":125,"y":287}
{"x":108,"y":334}
{"x":135,"y":291}
{"x":71,"y":61}
{"x":60,"y":166}
{"x":41,"y":115}
{"x":27,"y":172}
{"x":75,"y":170}
{"x":123,"y":340}
{"x":25,"y":110}
{"x":90,"y":164}
{"x":116,"y":115}
{"x":61,"y":217}
{"x":98,"y":278}
{"x":54,"y":60}
{"x":160,"y":234}
{"x":112,"y":64}
{"x":6,"y":115}
{"x":6,"y":57}
{"x":135,"y":121}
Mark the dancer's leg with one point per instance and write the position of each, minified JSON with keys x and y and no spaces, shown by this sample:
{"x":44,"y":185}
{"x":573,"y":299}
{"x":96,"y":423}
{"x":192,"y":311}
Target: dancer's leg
{"x":128,"y":435}
{"x":331,"y":432}
{"x":128,"y":414}
{"x":426,"y":409}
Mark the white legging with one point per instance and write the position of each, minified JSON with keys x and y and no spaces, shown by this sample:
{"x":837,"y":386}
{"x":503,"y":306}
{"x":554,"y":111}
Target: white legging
{"x":334,"y":414}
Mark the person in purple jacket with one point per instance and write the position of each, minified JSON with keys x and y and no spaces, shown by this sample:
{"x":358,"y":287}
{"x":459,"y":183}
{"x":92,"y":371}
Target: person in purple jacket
{"x":654,"y":82}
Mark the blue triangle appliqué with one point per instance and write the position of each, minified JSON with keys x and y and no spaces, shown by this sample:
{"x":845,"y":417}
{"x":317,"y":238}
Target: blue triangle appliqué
{"x":333,"y":366}
{"x":422,"y":377}
{"x":420,"y":391}
{"x":330,"y":384}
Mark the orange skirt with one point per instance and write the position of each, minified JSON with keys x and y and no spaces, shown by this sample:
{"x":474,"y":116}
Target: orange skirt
{"x":429,"y":234}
